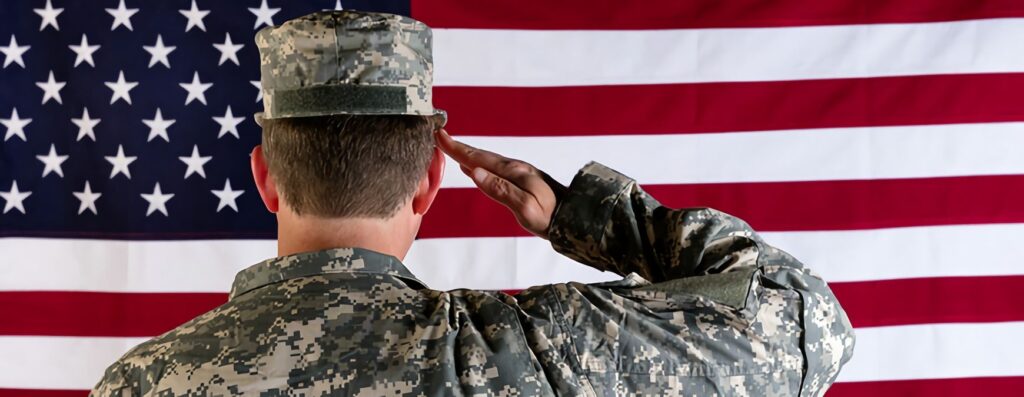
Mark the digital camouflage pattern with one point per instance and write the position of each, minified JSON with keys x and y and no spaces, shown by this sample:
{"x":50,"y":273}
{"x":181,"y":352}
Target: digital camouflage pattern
{"x":705,"y":308}
{"x":346,"y":62}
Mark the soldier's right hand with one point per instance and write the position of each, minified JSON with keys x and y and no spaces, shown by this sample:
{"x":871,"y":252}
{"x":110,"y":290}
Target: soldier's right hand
{"x":529,"y":193}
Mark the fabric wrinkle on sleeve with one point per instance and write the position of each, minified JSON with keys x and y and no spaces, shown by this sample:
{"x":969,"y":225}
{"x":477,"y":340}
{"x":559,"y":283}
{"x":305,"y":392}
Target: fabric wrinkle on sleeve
{"x":578,"y":226}
{"x":608,"y":222}
{"x":703,"y":256}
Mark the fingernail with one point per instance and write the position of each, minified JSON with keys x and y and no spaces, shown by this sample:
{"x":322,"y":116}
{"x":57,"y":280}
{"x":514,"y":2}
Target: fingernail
{"x":479,"y":175}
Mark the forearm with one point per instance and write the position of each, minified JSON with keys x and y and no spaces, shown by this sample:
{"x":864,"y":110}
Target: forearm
{"x":607,"y":221}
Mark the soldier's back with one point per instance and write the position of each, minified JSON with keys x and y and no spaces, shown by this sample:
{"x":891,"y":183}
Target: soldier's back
{"x":339,"y":334}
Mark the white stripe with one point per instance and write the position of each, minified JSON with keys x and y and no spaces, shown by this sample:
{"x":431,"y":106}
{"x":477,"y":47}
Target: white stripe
{"x":792,"y":155}
{"x":476,"y":57}
{"x":913,"y":252}
{"x":932,"y":351}
{"x":882,"y":353}
{"x":58,"y":362}
{"x":493,"y":263}
{"x":127,"y":266}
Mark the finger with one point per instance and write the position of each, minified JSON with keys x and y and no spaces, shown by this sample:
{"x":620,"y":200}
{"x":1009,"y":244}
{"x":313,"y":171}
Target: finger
{"x":523,"y":175}
{"x":520,"y":173}
{"x":467,"y":155}
{"x":445,"y":142}
{"x":501,"y":190}
{"x":524,"y":206}
{"x":449,"y":146}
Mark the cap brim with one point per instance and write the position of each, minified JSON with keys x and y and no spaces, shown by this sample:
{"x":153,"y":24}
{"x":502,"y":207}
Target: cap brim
{"x":438,"y":114}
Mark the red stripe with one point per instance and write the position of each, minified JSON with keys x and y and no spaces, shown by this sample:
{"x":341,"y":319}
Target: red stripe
{"x":42,"y":393}
{"x":966,"y":387}
{"x":871,"y":303}
{"x":674,"y":14}
{"x":735,"y":106}
{"x":100,"y":313}
{"x":784,"y":206}
{"x":932,"y":300}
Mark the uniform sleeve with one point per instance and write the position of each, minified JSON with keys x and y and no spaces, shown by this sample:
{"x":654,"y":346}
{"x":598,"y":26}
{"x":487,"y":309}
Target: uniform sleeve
{"x":113,"y":384}
{"x":608,"y":222}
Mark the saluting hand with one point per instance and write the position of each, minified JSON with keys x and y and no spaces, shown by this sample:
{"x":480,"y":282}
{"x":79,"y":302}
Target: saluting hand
{"x":530,"y":193}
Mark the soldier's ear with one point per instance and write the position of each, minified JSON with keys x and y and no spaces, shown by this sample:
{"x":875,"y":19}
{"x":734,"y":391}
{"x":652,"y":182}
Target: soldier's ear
{"x":430,"y":183}
{"x":264,"y":181}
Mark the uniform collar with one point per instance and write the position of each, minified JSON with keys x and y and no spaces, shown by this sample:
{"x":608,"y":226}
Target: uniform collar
{"x":331,"y":261}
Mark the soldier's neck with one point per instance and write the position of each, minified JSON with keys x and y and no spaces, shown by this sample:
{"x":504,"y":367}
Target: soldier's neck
{"x":304,"y":234}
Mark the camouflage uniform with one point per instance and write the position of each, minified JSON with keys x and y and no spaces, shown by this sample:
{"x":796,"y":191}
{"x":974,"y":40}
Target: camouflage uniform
{"x":706,"y":308}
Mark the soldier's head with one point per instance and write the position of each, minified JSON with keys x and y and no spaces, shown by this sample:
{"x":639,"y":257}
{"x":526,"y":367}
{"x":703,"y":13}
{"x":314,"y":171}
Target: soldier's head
{"x":348,"y":118}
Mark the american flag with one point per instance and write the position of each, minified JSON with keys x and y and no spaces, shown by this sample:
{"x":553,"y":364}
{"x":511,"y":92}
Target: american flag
{"x":880,"y":141}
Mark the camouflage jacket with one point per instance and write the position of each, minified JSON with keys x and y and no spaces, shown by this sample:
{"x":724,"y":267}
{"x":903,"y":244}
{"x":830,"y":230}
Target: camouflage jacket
{"x":705,"y":308}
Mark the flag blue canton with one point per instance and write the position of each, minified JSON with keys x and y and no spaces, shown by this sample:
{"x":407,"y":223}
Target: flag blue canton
{"x":133,"y":119}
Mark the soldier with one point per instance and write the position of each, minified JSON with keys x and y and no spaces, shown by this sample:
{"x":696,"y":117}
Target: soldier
{"x":351,"y":161}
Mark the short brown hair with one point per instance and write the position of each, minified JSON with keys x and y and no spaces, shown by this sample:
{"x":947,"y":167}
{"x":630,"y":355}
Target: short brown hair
{"x":348,"y":165}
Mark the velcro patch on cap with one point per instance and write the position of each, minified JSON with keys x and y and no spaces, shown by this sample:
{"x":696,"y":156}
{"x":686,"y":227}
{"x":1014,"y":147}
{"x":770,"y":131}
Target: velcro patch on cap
{"x":339,"y":99}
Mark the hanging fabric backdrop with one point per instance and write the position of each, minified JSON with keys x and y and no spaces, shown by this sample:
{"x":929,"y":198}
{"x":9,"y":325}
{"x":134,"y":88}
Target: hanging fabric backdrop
{"x":880,"y":141}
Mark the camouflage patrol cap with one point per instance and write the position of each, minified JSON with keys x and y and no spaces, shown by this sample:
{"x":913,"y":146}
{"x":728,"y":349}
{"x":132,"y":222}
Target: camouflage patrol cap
{"x":346,"y":62}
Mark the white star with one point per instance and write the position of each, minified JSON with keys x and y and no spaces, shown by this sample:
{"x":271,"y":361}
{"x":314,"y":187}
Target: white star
{"x":195,"y":17}
{"x":88,"y":199}
{"x":13,"y":52}
{"x":120,"y":163}
{"x":51,"y":89}
{"x":228,"y":50}
{"x":195,"y":163}
{"x":228,"y":123}
{"x":122,"y":16}
{"x":15,"y":126}
{"x":158,"y":52}
{"x":14,"y":198}
{"x":264,"y":15}
{"x":157,"y":200}
{"x":227,"y":196}
{"x":52,"y":162}
{"x":49,"y":16}
{"x":83,"y":52}
{"x":121,"y":89}
{"x":196,"y":89}
{"x":158,"y":126}
{"x":86,"y":125}
{"x":259,"y":89}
